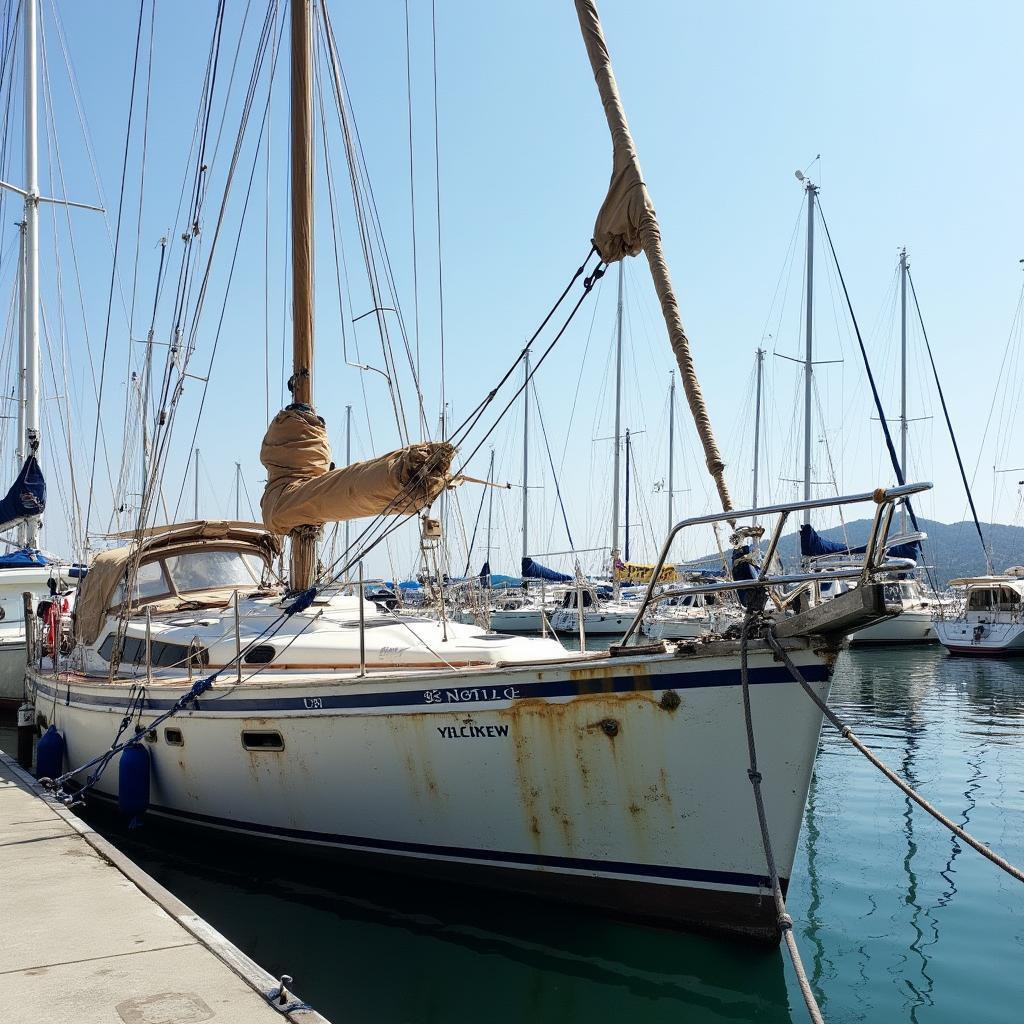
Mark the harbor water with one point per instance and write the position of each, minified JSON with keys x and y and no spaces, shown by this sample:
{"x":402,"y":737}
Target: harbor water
{"x":896,"y":921}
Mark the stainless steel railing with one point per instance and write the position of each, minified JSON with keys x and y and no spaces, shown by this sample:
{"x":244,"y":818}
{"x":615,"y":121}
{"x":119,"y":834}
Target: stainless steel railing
{"x":874,"y":561}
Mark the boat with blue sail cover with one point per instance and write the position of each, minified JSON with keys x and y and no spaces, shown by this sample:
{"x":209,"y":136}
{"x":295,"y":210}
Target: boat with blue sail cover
{"x":298,"y":713}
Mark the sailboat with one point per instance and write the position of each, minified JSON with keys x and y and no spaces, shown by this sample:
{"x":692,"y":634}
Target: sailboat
{"x":906,"y":596}
{"x":303,"y":716}
{"x":24,"y":569}
{"x":601,"y":615}
{"x":523,"y":608}
{"x":986,"y":616}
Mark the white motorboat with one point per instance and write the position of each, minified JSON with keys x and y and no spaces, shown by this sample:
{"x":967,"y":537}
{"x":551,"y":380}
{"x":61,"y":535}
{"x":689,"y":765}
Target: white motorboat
{"x":913,"y":625}
{"x":601,"y":617}
{"x":689,"y":616}
{"x":987,"y":618}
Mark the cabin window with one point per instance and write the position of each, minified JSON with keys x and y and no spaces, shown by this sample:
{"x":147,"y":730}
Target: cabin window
{"x":174,"y":738}
{"x":163,"y":655}
{"x":979,"y":600}
{"x":262,"y":739}
{"x":149,"y":582}
{"x":212,"y":569}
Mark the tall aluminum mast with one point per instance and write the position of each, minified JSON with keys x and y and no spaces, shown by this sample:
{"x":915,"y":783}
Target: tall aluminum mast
{"x":31,"y":256}
{"x":903,"y":381}
{"x":812,"y":192}
{"x":526,"y":450}
{"x":757,"y":424}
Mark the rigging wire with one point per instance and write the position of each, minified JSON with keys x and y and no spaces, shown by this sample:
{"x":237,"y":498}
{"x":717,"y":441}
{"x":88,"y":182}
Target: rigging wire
{"x":412,"y":211}
{"x":949,"y":422}
{"x":113,"y":276}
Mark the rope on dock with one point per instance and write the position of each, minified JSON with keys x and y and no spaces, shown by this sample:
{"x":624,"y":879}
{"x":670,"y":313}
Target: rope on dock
{"x":785,"y":921}
{"x":847,"y":733}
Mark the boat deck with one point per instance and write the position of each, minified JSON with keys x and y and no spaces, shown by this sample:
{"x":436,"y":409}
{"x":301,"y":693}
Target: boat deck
{"x":89,"y":937}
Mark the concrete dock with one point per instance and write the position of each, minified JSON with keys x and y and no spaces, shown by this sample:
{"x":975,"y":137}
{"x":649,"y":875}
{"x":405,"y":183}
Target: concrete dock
{"x":87,"y":936}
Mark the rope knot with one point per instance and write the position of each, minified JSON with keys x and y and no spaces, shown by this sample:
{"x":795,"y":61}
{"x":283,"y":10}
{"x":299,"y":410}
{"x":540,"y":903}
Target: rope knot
{"x":754,"y":776}
{"x":785,"y":922}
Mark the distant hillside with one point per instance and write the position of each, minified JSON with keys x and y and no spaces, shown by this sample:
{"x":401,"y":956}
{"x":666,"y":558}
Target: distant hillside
{"x":953,"y":549}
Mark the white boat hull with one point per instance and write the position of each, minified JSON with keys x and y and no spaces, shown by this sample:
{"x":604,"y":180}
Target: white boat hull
{"x":960,"y":636}
{"x":566,"y":621}
{"x":618,"y":783}
{"x":13,"y":584}
{"x":516,"y":620}
{"x":912,"y":626}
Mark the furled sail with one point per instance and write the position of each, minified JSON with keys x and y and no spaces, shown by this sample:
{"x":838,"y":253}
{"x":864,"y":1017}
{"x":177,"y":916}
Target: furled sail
{"x":535,"y":571}
{"x":813,"y":545}
{"x":627,"y":224}
{"x":27,"y":496}
{"x":303,"y":490}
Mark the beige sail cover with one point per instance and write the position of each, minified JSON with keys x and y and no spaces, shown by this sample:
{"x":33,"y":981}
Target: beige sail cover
{"x":302,"y":489}
{"x":96,"y":591}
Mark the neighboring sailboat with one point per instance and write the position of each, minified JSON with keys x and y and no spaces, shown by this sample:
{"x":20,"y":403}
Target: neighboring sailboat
{"x":600,"y":615}
{"x":905,"y":595}
{"x":25,"y":569}
{"x":307,"y":717}
{"x":914,"y":623}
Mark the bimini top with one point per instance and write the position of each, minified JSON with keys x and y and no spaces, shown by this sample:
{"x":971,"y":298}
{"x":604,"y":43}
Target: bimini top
{"x":192,"y":562}
{"x":1016,"y":581}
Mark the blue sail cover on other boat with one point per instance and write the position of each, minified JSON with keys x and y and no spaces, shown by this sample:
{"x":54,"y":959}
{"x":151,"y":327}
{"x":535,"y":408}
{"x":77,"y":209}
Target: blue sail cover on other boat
{"x":535,"y":571}
{"x":23,"y":558}
{"x":27,"y":496}
{"x":496,"y":581}
{"x":813,"y":545}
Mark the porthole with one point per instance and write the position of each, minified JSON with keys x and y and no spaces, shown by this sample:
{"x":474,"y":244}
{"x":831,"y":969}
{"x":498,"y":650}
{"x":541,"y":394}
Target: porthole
{"x":262,"y":739}
{"x":173,"y":738}
{"x":261,"y":654}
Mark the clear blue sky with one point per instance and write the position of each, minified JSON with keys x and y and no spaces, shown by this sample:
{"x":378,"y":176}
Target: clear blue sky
{"x":913,"y":108}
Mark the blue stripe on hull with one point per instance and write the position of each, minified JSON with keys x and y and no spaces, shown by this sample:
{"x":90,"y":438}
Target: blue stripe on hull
{"x":512,"y":858}
{"x":641,"y":682}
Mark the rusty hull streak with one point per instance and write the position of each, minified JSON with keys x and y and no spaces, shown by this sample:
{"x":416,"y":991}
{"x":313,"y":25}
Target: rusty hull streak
{"x":556,"y":758}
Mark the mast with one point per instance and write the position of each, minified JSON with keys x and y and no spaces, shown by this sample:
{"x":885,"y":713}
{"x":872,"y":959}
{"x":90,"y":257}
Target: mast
{"x":31,"y":237}
{"x":238,"y":492}
{"x":903,"y":381}
{"x":196,"y":506}
{"x":19,"y":455}
{"x":812,"y":192}
{"x":490,"y":511}
{"x":526,"y":447}
{"x":303,"y":539}
{"x":627,"y":495}
{"x":348,"y":462}
{"x":757,"y":424}
{"x":671,"y":446}
{"x":618,"y":431}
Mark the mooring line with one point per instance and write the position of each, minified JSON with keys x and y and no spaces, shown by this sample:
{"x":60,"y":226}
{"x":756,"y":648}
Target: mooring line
{"x":785,"y":921}
{"x":847,"y":733}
